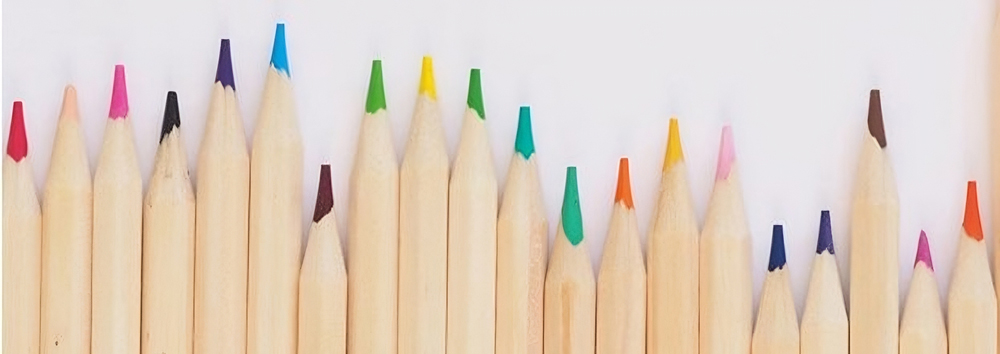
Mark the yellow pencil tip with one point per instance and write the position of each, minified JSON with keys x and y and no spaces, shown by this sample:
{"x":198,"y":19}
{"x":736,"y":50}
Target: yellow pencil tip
{"x":674,"y":152}
{"x":427,"y":78}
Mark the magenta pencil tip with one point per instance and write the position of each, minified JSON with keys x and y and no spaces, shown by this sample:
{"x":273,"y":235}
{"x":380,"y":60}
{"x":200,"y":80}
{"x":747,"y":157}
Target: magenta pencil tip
{"x":119,"y":95}
{"x":924,"y":252}
{"x":727,"y":154}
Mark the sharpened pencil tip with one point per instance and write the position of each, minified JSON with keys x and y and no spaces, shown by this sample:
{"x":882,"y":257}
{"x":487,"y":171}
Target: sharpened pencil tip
{"x":923,"y":252}
{"x":324,"y":196}
{"x":376,"y":89}
{"x":825,"y":240}
{"x":674,"y":152}
{"x":475,"y":100}
{"x":17,"y":140}
{"x":171,"y":116}
{"x":972,"y":224}
{"x":119,"y":95}
{"x":69,"y":107}
{"x":279,"y":53}
{"x":572,"y":217}
{"x":224,"y":71}
{"x":623,"y":194}
{"x":727,"y":154}
{"x":876,"y":127}
{"x":777,"y":260}
{"x":524,"y":143}
{"x":427,"y":87}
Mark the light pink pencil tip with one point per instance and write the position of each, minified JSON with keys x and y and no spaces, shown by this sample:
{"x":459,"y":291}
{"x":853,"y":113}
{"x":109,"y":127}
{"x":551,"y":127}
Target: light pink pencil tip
{"x":727,"y":154}
{"x":924,"y":252}
{"x":119,"y":95}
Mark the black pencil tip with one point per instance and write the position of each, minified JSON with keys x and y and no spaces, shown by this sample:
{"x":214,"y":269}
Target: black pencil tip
{"x":875,"y":125}
{"x":171,"y":116}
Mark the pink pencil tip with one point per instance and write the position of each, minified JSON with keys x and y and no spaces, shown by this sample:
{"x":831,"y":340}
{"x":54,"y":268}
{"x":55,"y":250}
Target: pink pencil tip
{"x":727,"y":154}
{"x":923,"y":252}
{"x":119,"y":95}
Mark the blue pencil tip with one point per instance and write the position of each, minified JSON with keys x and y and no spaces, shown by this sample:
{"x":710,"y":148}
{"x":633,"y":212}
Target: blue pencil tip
{"x":224,"y":72}
{"x":777,"y":260}
{"x":279,"y":54}
{"x":825,"y":240}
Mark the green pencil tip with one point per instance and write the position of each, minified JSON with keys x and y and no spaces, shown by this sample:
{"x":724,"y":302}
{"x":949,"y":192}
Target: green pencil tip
{"x":524,"y":143}
{"x":376,"y":89}
{"x":572,"y":218}
{"x":475,"y":100}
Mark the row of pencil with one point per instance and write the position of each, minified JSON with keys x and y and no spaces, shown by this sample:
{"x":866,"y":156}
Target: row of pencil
{"x":435,"y":265}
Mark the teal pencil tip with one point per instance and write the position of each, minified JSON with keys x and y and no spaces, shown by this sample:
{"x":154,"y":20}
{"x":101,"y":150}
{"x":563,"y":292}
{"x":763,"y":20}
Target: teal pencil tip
{"x":376,"y":89}
{"x":572,"y":218}
{"x":475,"y":100}
{"x":279,"y":54}
{"x":524,"y":143}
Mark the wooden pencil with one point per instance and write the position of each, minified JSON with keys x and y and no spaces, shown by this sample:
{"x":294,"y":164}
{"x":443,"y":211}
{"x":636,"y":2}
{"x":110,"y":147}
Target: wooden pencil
{"x":874,"y":294}
{"x":222,"y":199}
{"x":672,"y":260}
{"x":922,"y":329}
{"x":472,"y":234}
{"x":621,"y":281}
{"x":22,"y":243}
{"x":67,"y":221}
{"x":972,"y":302}
{"x":726,"y":303}
{"x":824,"y":320}
{"x":117,"y":256}
{"x":323,"y":280}
{"x":777,"y":329}
{"x":275,"y":241}
{"x":423,"y":226}
{"x":168,"y":244}
{"x":522,"y":249}
{"x":994,"y":141}
{"x":373,"y":226}
{"x":570,"y":289}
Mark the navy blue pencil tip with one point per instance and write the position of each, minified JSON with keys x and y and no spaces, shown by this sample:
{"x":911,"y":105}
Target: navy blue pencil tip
{"x":777,"y":260}
{"x":224,"y":72}
{"x":825,"y":240}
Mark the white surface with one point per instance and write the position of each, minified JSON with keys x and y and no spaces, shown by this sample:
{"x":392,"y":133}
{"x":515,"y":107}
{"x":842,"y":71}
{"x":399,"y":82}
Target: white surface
{"x":792,"y":78}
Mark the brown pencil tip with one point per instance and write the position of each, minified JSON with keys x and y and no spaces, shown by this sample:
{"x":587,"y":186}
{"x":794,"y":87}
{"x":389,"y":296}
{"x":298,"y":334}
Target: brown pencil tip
{"x":623,"y":194}
{"x":875,"y":125}
{"x":324,"y":196}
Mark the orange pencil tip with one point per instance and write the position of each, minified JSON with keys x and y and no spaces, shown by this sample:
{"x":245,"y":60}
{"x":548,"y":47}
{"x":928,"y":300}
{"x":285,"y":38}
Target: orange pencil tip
{"x":972,"y":224}
{"x":624,"y":192}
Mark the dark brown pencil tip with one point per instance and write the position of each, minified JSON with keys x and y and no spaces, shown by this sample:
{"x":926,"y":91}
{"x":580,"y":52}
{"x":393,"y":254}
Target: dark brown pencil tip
{"x":324,"y":197}
{"x":875,"y":125}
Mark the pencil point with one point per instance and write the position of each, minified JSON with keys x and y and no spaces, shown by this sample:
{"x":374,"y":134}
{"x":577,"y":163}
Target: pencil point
{"x":69,"y":108}
{"x":279,"y":53}
{"x":17,"y":141}
{"x":524,"y":143}
{"x":825,"y":240}
{"x":224,"y":71}
{"x":427,"y":86}
{"x":876,"y":127}
{"x":674,"y":152}
{"x":475,"y":100}
{"x":572,"y":218}
{"x":777,"y":260}
{"x":119,"y":95}
{"x":727,"y":154}
{"x":623,"y":193}
{"x":923,"y":252}
{"x":972,"y":225}
{"x":324,"y":196}
{"x":171,"y":116}
{"x":376,"y":90}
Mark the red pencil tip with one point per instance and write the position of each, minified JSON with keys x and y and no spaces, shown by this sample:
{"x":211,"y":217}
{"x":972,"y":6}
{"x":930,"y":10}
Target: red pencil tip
{"x":624,"y":192}
{"x":17,"y":141}
{"x":119,"y":95}
{"x":972,"y":225}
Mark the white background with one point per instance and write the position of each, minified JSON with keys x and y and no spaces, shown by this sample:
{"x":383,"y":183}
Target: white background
{"x":791,"y":77}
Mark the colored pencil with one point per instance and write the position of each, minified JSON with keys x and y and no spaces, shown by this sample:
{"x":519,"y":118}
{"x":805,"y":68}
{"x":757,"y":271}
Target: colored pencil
{"x":168,"y":245}
{"x":323,"y":280}
{"x":373,"y":226}
{"x":922,"y":329}
{"x":222,"y":197}
{"x":672,"y":260}
{"x":117,"y":273}
{"x":621,"y":282}
{"x":275,"y":241}
{"x":570,"y":289}
{"x":777,"y":329}
{"x":994,"y":141}
{"x":423,"y":226}
{"x":67,"y":221}
{"x":522,"y":249}
{"x":972,"y":302}
{"x":824,"y":319}
{"x":874,"y":297}
{"x":22,"y":243}
{"x":472,"y":234}
{"x":726,"y":304}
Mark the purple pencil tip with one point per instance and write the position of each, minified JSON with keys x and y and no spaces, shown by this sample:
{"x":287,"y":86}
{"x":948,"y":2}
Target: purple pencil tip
{"x":923,"y":252}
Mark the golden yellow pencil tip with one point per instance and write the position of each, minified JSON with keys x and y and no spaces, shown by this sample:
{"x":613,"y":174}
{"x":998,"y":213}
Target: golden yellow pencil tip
{"x":674,"y":152}
{"x":427,"y":86}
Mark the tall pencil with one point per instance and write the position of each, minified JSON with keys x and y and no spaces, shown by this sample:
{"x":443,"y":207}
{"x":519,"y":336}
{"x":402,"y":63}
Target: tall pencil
{"x":275,"y":213}
{"x":994,"y":141}
{"x":168,"y":245}
{"x":874,"y":245}
{"x":922,"y":329}
{"x":726,"y":304}
{"x":323,"y":280}
{"x":67,"y":221}
{"x":423,"y":226}
{"x":824,"y":319}
{"x":472,"y":234}
{"x":522,"y":249}
{"x":621,"y":282}
{"x":222,"y":197}
{"x":22,"y":243}
{"x":972,"y":302}
{"x":777,"y":329}
{"x":117,"y":233}
{"x":672,"y":260}
{"x":373,"y":226}
{"x":570,"y":289}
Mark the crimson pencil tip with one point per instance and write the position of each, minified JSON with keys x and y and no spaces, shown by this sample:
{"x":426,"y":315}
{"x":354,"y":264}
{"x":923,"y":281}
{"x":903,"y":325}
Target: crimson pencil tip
{"x":623,"y":194}
{"x":924,"y":252}
{"x":727,"y":154}
{"x":119,"y":95}
{"x":324,"y":196}
{"x":17,"y":141}
{"x":876,"y":127}
{"x":972,"y":224}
